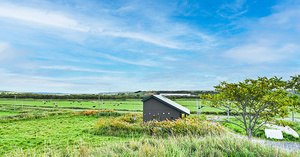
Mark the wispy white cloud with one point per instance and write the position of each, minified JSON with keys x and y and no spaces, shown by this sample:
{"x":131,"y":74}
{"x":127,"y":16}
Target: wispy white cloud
{"x":85,"y":84}
{"x":288,"y":19}
{"x":143,"y":37}
{"x":233,"y":10}
{"x":270,"y":39}
{"x":144,"y":62}
{"x":3,"y":46}
{"x":8,"y":53}
{"x":72,"y":68}
{"x":15,"y":82}
{"x":261,"y":52}
{"x":107,"y":26}
{"x":38,"y":16}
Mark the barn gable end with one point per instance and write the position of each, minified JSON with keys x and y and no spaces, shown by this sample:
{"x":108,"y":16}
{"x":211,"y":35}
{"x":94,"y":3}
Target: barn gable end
{"x":160,"y":108}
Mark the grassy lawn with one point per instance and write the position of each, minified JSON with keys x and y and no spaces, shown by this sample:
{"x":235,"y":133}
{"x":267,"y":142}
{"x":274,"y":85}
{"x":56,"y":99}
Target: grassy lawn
{"x":5,"y":114}
{"x":73,"y":136}
{"x":191,"y":105}
{"x":48,"y":134}
{"x":84,"y":104}
{"x":261,"y":133}
{"x":126,"y":105}
{"x":131,"y":104}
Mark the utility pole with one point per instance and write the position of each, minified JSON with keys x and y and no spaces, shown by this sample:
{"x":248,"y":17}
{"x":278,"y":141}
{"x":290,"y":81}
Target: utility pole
{"x":135,"y":116}
{"x":293,"y":118}
{"x":15,"y":102}
{"x":197,"y":107}
{"x":227,"y":111}
{"x":99,"y":106}
{"x":200,"y":107}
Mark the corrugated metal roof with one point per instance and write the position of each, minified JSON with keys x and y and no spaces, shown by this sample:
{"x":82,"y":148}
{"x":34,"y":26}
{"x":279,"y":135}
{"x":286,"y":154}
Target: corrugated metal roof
{"x":169,"y":103}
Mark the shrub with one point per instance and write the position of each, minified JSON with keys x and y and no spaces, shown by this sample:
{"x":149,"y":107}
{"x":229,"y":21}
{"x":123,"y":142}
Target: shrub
{"x":187,"y":126}
{"x":101,"y":113}
{"x":125,"y":125}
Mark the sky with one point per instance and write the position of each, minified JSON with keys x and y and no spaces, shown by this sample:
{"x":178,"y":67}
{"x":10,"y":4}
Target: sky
{"x":92,"y":46}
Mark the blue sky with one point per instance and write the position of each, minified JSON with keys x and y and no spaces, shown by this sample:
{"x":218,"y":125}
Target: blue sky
{"x":102,"y":46}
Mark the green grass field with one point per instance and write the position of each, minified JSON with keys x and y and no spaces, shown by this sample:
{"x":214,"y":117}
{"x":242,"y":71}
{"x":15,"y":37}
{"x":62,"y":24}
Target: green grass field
{"x":84,"y":104}
{"x":73,"y":135}
{"x":5,"y":114}
{"x":49,"y":134}
{"x":129,"y":105}
{"x":119,"y":105}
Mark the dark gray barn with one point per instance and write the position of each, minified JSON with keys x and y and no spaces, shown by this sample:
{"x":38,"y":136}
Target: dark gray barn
{"x":160,"y":108}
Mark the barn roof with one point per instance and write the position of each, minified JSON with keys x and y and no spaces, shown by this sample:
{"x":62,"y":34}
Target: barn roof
{"x":169,"y":102}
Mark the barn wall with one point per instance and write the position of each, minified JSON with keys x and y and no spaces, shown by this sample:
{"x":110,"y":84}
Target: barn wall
{"x":153,"y":107}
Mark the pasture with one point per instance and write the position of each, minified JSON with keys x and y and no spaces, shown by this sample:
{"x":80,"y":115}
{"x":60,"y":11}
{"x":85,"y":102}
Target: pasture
{"x":119,"y":105}
{"x":39,"y":131}
{"x":130,"y":105}
{"x":74,"y":134}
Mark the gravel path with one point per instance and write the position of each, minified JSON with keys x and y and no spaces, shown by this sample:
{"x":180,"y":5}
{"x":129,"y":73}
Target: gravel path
{"x":289,"y":146}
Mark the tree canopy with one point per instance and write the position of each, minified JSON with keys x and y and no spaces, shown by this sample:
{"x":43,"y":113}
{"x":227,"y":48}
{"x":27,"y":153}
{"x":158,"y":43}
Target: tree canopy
{"x":294,"y":83}
{"x":252,"y":100}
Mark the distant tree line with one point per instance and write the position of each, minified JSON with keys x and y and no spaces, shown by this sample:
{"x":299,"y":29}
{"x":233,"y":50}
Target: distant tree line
{"x":71,"y":96}
{"x":120,"y":96}
{"x":195,"y":93}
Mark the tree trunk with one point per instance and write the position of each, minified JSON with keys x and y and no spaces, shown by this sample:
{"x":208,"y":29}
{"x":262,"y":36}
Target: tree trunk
{"x":249,"y":134}
{"x":293,"y":118}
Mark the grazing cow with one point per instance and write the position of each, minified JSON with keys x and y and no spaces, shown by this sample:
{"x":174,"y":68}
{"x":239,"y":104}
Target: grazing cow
{"x":94,"y":106}
{"x":118,"y":104}
{"x":45,"y":103}
{"x":114,"y":105}
{"x":55,"y":105}
{"x":80,"y":104}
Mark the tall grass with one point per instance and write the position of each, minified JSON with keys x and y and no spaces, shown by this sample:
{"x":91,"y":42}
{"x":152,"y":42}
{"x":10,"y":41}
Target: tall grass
{"x":193,"y":146}
{"x":187,"y":145}
{"x":126,"y":126}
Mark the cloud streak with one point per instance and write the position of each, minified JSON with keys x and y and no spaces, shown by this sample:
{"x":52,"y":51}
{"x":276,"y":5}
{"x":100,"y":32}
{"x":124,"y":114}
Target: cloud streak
{"x":261,"y":53}
{"x":127,"y":61}
{"x":57,"y":67}
{"x":48,"y":18}
{"x":106,"y":27}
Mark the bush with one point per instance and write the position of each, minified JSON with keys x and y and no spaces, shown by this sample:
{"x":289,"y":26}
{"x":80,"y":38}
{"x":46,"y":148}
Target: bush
{"x":101,"y":113}
{"x":125,"y":125}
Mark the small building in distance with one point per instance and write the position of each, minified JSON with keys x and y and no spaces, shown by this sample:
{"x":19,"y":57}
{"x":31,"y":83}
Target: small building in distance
{"x":174,"y":94}
{"x":160,"y":108}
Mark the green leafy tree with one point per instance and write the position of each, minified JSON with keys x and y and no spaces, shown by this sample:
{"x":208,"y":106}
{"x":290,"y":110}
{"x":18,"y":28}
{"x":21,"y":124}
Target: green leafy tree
{"x":252,"y":101}
{"x":294,"y":85}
